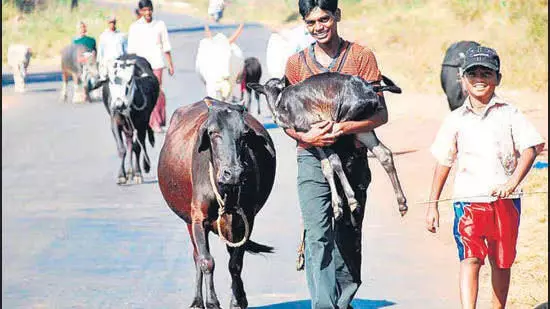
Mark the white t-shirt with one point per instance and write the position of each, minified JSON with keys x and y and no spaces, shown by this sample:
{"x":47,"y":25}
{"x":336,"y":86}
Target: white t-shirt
{"x":112,"y":44}
{"x":150,"y":41}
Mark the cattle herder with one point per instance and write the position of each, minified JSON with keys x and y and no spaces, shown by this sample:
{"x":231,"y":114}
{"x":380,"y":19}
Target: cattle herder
{"x":332,"y":249}
{"x":83,"y":38}
{"x":112,"y":44}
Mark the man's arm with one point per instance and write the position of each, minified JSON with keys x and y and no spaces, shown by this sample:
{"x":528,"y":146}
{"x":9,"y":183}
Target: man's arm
{"x":170,"y":64}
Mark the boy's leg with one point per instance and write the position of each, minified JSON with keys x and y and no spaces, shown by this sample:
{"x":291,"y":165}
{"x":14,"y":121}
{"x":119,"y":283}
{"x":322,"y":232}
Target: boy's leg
{"x":502,"y":247}
{"x":469,"y":282}
{"x":315,"y":203}
{"x":500,"y":279}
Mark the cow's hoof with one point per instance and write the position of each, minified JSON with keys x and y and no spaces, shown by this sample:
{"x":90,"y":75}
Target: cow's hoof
{"x":241,"y":303}
{"x":121,"y":180}
{"x":213,"y":305}
{"x":197,"y":304}
{"x":138,"y":179}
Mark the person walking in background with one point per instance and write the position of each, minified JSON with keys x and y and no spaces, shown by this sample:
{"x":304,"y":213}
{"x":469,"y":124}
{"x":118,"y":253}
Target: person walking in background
{"x":148,"y":38}
{"x":332,"y":249}
{"x":112,"y":45}
{"x":494,"y":146}
{"x":215,"y":9}
{"x":82,"y":37}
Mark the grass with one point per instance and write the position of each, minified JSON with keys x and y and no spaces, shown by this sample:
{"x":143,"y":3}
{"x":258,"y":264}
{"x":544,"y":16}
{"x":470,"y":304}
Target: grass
{"x":50,"y":29}
{"x":410,"y":37}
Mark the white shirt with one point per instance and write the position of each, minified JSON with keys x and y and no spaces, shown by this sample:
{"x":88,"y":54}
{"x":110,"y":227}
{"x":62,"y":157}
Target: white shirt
{"x":215,"y":6}
{"x":486,"y":147}
{"x":112,"y":44}
{"x":150,"y":41}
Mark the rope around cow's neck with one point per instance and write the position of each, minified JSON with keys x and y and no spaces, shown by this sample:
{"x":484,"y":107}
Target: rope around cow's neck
{"x":221,"y":211}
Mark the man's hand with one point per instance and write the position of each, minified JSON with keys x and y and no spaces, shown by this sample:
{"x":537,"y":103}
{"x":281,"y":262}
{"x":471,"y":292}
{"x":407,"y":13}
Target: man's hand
{"x":171,"y":69}
{"x":318,"y":135}
{"x":432,"y":218}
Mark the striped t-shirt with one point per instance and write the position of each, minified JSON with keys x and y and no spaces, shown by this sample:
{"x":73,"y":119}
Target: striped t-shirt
{"x":353,"y":59}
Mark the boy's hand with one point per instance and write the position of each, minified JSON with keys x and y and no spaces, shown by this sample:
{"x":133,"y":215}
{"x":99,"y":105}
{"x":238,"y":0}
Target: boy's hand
{"x":432,"y":218}
{"x":503,"y":191}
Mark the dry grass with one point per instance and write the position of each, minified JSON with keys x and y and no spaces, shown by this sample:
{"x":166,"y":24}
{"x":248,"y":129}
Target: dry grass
{"x":47,"y":31}
{"x":410,"y":37}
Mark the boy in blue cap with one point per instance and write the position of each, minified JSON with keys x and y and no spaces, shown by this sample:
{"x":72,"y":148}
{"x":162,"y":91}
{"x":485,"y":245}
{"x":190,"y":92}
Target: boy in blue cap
{"x":494,"y":146}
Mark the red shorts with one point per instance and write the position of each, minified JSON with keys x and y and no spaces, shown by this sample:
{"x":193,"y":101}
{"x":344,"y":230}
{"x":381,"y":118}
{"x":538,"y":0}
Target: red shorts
{"x":482,"y":229}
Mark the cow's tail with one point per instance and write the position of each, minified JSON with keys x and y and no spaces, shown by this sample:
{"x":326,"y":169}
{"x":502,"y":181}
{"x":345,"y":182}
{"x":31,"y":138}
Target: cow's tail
{"x":254,"y":247}
{"x":151,"y":135}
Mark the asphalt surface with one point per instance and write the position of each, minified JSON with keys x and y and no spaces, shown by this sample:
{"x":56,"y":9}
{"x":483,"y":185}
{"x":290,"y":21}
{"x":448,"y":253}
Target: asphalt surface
{"x":72,"y":238}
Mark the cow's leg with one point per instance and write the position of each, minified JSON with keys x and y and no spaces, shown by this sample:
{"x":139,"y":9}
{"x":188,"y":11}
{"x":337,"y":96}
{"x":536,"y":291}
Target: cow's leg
{"x":130,"y":146}
{"x":77,"y":91}
{"x":19,"y":78}
{"x":141,"y":135}
{"x":336,"y":164}
{"x":117,"y":133}
{"x":205,"y":260}
{"x":198,"y":302}
{"x":65,"y":81}
{"x":328,"y":172}
{"x":238,"y":297}
{"x":385,"y":157}
{"x":138,"y":178}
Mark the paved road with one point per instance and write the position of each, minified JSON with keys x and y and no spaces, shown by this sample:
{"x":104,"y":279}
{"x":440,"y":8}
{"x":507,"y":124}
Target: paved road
{"x":72,"y":238}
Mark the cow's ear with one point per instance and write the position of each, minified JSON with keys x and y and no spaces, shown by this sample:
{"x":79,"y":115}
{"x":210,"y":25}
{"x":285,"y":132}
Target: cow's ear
{"x":203,"y":139}
{"x":256,"y":87}
{"x":254,"y":139}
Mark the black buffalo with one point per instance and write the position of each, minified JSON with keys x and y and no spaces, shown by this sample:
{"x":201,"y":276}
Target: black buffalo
{"x":215,"y":171}
{"x":450,"y":73}
{"x":129,"y":95}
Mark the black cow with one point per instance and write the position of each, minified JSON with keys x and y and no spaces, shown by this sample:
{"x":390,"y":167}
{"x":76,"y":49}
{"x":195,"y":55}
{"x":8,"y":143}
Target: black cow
{"x":252,"y":73}
{"x":450,"y":73}
{"x":215,"y":171}
{"x":335,"y":97}
{"x":129,"y":95}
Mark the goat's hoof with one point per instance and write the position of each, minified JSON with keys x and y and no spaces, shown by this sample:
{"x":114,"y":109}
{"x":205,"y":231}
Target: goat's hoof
{"x":403,"y":209}
{"x":338,"y":213}
{"x":121,"y":180}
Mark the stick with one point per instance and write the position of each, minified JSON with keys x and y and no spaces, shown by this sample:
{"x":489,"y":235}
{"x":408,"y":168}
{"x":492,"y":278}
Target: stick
{"x":511,"y":196}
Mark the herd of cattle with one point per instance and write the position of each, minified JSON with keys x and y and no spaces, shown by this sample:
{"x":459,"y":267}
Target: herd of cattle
{"x":216,"y":167}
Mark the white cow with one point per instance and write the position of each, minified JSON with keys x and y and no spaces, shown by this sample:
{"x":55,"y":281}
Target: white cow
{"x":19,"y":56}
{"x":282,"y":45}
{"x":219,"y":62}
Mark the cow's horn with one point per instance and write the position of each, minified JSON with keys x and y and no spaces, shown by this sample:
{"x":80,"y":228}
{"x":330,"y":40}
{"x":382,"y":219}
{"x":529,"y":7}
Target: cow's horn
{"x":236,"y":34}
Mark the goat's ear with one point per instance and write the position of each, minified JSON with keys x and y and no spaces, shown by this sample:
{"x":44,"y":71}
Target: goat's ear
{"x":203,"y":139}
{"x":256,"y":87}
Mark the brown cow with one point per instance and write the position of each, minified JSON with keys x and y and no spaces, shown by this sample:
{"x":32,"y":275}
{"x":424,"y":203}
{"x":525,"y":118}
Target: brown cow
{"x":215,"y":171}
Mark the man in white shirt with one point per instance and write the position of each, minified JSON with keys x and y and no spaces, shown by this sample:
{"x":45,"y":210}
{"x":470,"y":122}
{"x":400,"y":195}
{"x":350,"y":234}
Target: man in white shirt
{"x":112,"y":44}
{"x":148,"y":38}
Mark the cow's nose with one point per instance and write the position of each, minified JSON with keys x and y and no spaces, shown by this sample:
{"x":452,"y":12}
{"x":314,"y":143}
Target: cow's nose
{"x":230,"y":176}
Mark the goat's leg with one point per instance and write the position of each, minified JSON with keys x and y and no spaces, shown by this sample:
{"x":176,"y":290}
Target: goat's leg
{"x":336,"y":164}
{"x":385,"y":157}
{"x":257,"y":95}
{"x":205,"y":260}
{"x":198,"y":302}
{"x":328,"y":172}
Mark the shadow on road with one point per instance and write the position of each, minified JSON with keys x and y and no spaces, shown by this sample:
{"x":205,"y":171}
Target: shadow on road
{"x":306,"y":304}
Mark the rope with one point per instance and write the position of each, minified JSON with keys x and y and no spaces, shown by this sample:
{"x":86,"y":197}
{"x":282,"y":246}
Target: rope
{"x":511,"y":196}
{"x":221,"y":212}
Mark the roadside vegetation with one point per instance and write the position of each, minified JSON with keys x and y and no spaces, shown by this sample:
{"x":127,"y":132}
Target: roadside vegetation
{"x":51,"y":27}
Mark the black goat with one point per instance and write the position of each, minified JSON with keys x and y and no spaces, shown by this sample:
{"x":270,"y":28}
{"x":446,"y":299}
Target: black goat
{"x":334,"y":97}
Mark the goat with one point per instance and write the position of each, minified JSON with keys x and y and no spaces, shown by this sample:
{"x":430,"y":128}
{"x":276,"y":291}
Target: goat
{"x":335,"y":97}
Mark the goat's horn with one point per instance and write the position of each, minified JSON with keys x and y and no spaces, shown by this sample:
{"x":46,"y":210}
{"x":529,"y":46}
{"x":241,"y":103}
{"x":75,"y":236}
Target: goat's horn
{"x":236,"y":34}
